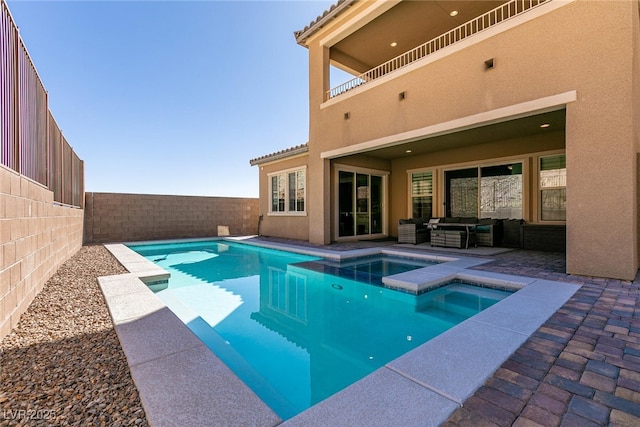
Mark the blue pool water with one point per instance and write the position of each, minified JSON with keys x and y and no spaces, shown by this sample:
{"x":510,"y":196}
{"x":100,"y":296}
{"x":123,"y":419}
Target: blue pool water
{"x":294,"y":332}
{"x":369,"y":269}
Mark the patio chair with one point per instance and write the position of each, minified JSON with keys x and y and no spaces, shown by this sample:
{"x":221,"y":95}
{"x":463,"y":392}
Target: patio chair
{"x":413,"y":231}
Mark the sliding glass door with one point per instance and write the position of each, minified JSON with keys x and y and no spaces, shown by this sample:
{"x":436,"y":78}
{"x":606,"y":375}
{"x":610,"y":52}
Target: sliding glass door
{"x":376,"y":204}
{"x":346,"y":204}
{"x":360,"y":204}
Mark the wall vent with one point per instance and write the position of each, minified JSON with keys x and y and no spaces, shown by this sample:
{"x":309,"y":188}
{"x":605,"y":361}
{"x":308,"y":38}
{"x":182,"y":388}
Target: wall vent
{"x":489,"y":64}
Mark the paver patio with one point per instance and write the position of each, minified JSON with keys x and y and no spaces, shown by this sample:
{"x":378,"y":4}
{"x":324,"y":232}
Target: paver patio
{"x":581,"y":368}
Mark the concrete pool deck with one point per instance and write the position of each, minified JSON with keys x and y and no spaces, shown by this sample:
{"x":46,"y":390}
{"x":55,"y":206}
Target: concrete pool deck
{"x":182,"y":383}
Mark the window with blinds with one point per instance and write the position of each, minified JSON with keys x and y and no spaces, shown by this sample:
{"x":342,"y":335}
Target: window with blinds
{"x":553,"y":188}
{"x":421,"y":194}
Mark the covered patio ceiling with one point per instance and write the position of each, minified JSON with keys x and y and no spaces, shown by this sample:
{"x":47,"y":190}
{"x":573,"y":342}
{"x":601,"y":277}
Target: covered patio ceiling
{"x":522,"y":127}
{"x":407,"y":25}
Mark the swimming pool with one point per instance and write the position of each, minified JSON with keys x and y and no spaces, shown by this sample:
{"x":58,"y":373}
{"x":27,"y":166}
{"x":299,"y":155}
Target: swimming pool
{"x":296,"y":335}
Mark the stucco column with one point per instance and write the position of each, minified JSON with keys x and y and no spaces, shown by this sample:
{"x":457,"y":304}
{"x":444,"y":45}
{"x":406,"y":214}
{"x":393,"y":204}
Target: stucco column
{"x":319,"y":202}
{"x":602,"y":179}
{"x":602,"y":146}
{"x":318,"y":181}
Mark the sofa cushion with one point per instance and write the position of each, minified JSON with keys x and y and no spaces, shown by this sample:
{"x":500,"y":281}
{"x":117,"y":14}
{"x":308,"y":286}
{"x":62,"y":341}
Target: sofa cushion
{"x":488,"y":221}
{"x":451,"y":220}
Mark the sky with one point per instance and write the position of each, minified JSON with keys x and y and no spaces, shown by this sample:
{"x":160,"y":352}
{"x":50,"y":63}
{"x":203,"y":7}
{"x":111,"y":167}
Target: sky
{"x":172,"y":97}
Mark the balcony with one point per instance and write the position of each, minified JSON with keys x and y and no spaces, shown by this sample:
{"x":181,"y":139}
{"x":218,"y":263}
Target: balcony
{"x":350,"y":54}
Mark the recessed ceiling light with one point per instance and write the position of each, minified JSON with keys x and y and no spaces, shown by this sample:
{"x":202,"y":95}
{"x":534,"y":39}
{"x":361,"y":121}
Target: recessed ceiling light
{"x":407,"y":151}
{"x":453,"y":13}
{"x":545,"y":125}
{"x":394,"y":44}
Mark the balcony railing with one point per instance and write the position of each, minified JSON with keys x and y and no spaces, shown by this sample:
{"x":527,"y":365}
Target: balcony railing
{"x":495,"y":16}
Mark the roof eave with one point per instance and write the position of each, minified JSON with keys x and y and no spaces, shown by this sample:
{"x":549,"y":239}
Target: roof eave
{"x":284,"y":154}
{"x":314,"y":26}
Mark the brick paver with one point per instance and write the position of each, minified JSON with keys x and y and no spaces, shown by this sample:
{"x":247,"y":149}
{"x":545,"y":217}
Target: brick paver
{"x":581,"y":368}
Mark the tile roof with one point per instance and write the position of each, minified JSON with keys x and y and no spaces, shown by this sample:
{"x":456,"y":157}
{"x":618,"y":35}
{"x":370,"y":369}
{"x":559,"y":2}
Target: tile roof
{"x":302,"y":35}
{"x":282,"y":154}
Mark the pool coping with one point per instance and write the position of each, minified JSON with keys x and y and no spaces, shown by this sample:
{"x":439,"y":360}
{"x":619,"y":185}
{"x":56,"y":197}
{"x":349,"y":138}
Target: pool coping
{"x":181,"y":382}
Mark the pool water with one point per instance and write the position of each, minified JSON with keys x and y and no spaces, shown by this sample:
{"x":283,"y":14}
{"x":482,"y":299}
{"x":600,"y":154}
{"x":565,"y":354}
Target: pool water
{"x":294,"y":335}
{"x":369,"y":269}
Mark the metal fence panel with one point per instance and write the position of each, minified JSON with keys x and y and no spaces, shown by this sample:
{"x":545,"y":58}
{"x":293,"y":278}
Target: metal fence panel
{"x":67,"y":172}
{"x":77,"y":191}
{"x":8,"y":89}
{"x":30,"y":140}
{"x":32,"y":102}
{"x":55,"y":159}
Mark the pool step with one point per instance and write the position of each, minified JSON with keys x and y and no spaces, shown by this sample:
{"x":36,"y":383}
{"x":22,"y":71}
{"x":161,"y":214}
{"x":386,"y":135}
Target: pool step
{"x":459,"y":301}
{"x":211,"y":303}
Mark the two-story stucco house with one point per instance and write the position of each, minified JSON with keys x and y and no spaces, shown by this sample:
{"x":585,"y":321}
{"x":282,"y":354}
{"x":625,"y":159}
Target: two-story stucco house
{"x":453,"y":99}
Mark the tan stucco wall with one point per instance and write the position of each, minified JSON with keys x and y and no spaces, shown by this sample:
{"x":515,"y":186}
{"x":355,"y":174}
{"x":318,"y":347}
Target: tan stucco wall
{"x":36,"y":238}
{"x":587,"y":47}
{"x":287,"y":226}
{"x":525,"y":149}
{"x":636,"y":114}
{"x":116,"y":217}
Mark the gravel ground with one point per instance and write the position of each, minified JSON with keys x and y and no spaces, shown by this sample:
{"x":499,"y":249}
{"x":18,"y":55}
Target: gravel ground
{"x":63,"y":364}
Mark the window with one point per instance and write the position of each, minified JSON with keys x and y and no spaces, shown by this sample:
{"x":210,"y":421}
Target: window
{"x":296,"y":191}
{"x":277,"y":193}
{"x":553,"y":188}
{"x":288,"y":191}
{"x":485,"y":192}
{"x":462,"y":192}
{"x":501,"y":191}
{"x":421,"y":195}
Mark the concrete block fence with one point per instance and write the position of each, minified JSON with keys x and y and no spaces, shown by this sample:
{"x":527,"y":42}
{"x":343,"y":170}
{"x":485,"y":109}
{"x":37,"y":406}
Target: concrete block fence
{"x":37,"y":235}
{"x":116,"y":217}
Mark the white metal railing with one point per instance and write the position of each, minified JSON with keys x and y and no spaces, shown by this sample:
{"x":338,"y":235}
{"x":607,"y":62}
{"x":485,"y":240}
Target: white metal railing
{"x":493,"y":17}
